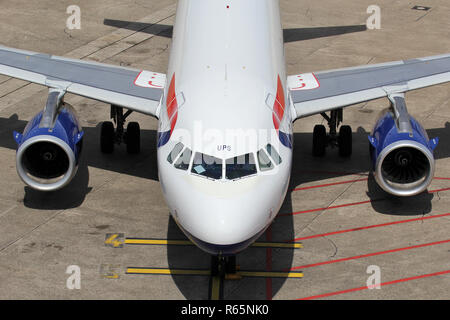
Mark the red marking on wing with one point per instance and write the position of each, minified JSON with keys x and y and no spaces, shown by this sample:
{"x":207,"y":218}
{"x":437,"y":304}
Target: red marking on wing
{"x":154,"y":85}
{"x":135,"y":79}
{"x":150,"y":83}
{"x":302,"y":86}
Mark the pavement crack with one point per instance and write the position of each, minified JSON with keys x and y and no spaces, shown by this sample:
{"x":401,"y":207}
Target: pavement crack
{"x":2,"y":249}
{"x":17,"y":89}
{"x":335,"y":247}
{"x":66,"y":32}
{"x":370,"y":60}
{"x":423,"y":16}
{"x":438,"y":106}
{"x":329,"y":205}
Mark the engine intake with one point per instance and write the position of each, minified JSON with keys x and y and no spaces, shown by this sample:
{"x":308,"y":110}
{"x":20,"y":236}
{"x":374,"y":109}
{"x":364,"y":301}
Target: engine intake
{"x":405,"y":168}
{"x":45,"y":163}
{"x":49,"y":149}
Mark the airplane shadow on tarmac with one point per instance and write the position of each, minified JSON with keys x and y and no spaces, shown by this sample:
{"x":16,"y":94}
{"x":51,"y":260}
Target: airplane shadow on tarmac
{"x":289,"y":35}
{"x":305,"y":169}
{"x":142,"y":165}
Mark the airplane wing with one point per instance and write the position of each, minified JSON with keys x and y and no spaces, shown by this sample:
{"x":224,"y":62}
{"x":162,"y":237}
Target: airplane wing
{"x":313,"y":93}
{"x":136,"y":90}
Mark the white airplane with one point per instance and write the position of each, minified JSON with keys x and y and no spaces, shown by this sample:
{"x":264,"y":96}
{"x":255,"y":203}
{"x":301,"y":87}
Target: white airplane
{"x":225,"y":110}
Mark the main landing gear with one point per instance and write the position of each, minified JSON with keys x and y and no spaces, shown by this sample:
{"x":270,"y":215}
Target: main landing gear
{"x":321,"y":139}
{"x":109,"y":136}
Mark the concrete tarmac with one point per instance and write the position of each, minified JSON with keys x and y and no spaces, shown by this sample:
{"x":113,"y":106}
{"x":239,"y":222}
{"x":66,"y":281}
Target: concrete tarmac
{"x":350,"y":229}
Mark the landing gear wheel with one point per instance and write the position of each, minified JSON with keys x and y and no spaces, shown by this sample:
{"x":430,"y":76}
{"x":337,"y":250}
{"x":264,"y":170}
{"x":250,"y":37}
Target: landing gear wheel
{"x":230,"y":265}
{"x":319,"y":141}
{"x":214,"y":266}
{"x":345,"y":141}
{"x":218,"y":266}
{"x":133,"y":138}
{"x":107,"y":136}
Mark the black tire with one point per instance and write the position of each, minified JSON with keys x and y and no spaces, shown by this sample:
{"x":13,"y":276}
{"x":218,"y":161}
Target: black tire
{"x":319,"y":141}
{"x":214,"y":266}
{"x":345,"y":141}
{"x":107,"y":135}
{"x":133,"y":138}
{"x":230,"y":265}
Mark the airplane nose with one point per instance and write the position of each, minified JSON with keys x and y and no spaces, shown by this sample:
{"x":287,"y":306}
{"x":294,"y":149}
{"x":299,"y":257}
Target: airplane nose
{"x":222,"y":227}
{"x":225,"y":221}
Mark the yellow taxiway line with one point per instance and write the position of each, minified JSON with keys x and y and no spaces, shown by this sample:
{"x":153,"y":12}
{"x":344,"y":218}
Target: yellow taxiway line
{"x":204,"y":272}
{"x":162,"y":271}
{"x":216,"y":289}
{"x":158,"y":242}
{"x":136,"y":241}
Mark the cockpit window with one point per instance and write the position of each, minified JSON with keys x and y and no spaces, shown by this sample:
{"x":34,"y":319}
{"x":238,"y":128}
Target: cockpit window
{"x":207,"y":166}
{"x":183,"y":161}
{"x":241,"y":166}
{"x":273,"y":154}
{"x":264,"y":162}
{"x":175,"y":151}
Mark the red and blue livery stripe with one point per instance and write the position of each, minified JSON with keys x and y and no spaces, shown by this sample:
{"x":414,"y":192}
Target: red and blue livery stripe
{"x":172,"y":113}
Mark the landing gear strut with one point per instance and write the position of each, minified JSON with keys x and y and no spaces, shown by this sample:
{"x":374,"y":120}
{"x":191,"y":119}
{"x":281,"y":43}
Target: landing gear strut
{"x":109,"y":136}
{"x":321,"y":139}
{"x":223,"y":266}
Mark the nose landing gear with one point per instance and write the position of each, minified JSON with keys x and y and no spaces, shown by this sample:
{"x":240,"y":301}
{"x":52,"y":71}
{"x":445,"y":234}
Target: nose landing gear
{"x":321,"y":139}
{"x":224,"y":267}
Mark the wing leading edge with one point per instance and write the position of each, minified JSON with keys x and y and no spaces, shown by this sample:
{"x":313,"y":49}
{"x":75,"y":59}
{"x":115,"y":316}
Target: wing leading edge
{"x":136,"y":90}
{"x":314,"y":93}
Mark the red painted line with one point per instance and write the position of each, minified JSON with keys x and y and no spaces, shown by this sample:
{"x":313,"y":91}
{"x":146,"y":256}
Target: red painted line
{"x":370,"y":255}
{"x":347,"y":205}
{"x":381,"y":284}
{"x":329,"y":184}
{"x":328,"y":208}
{"x":334,"y":172}
{"x":345,"y":182}
{"x":269,"y":264}
{"x":369,"y":227}
{"x":438,"y":190}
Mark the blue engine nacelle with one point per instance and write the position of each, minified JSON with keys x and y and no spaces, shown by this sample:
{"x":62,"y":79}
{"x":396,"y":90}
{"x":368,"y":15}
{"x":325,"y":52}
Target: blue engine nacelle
{"x":401,"y":152}
{"x":50,"y":146}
